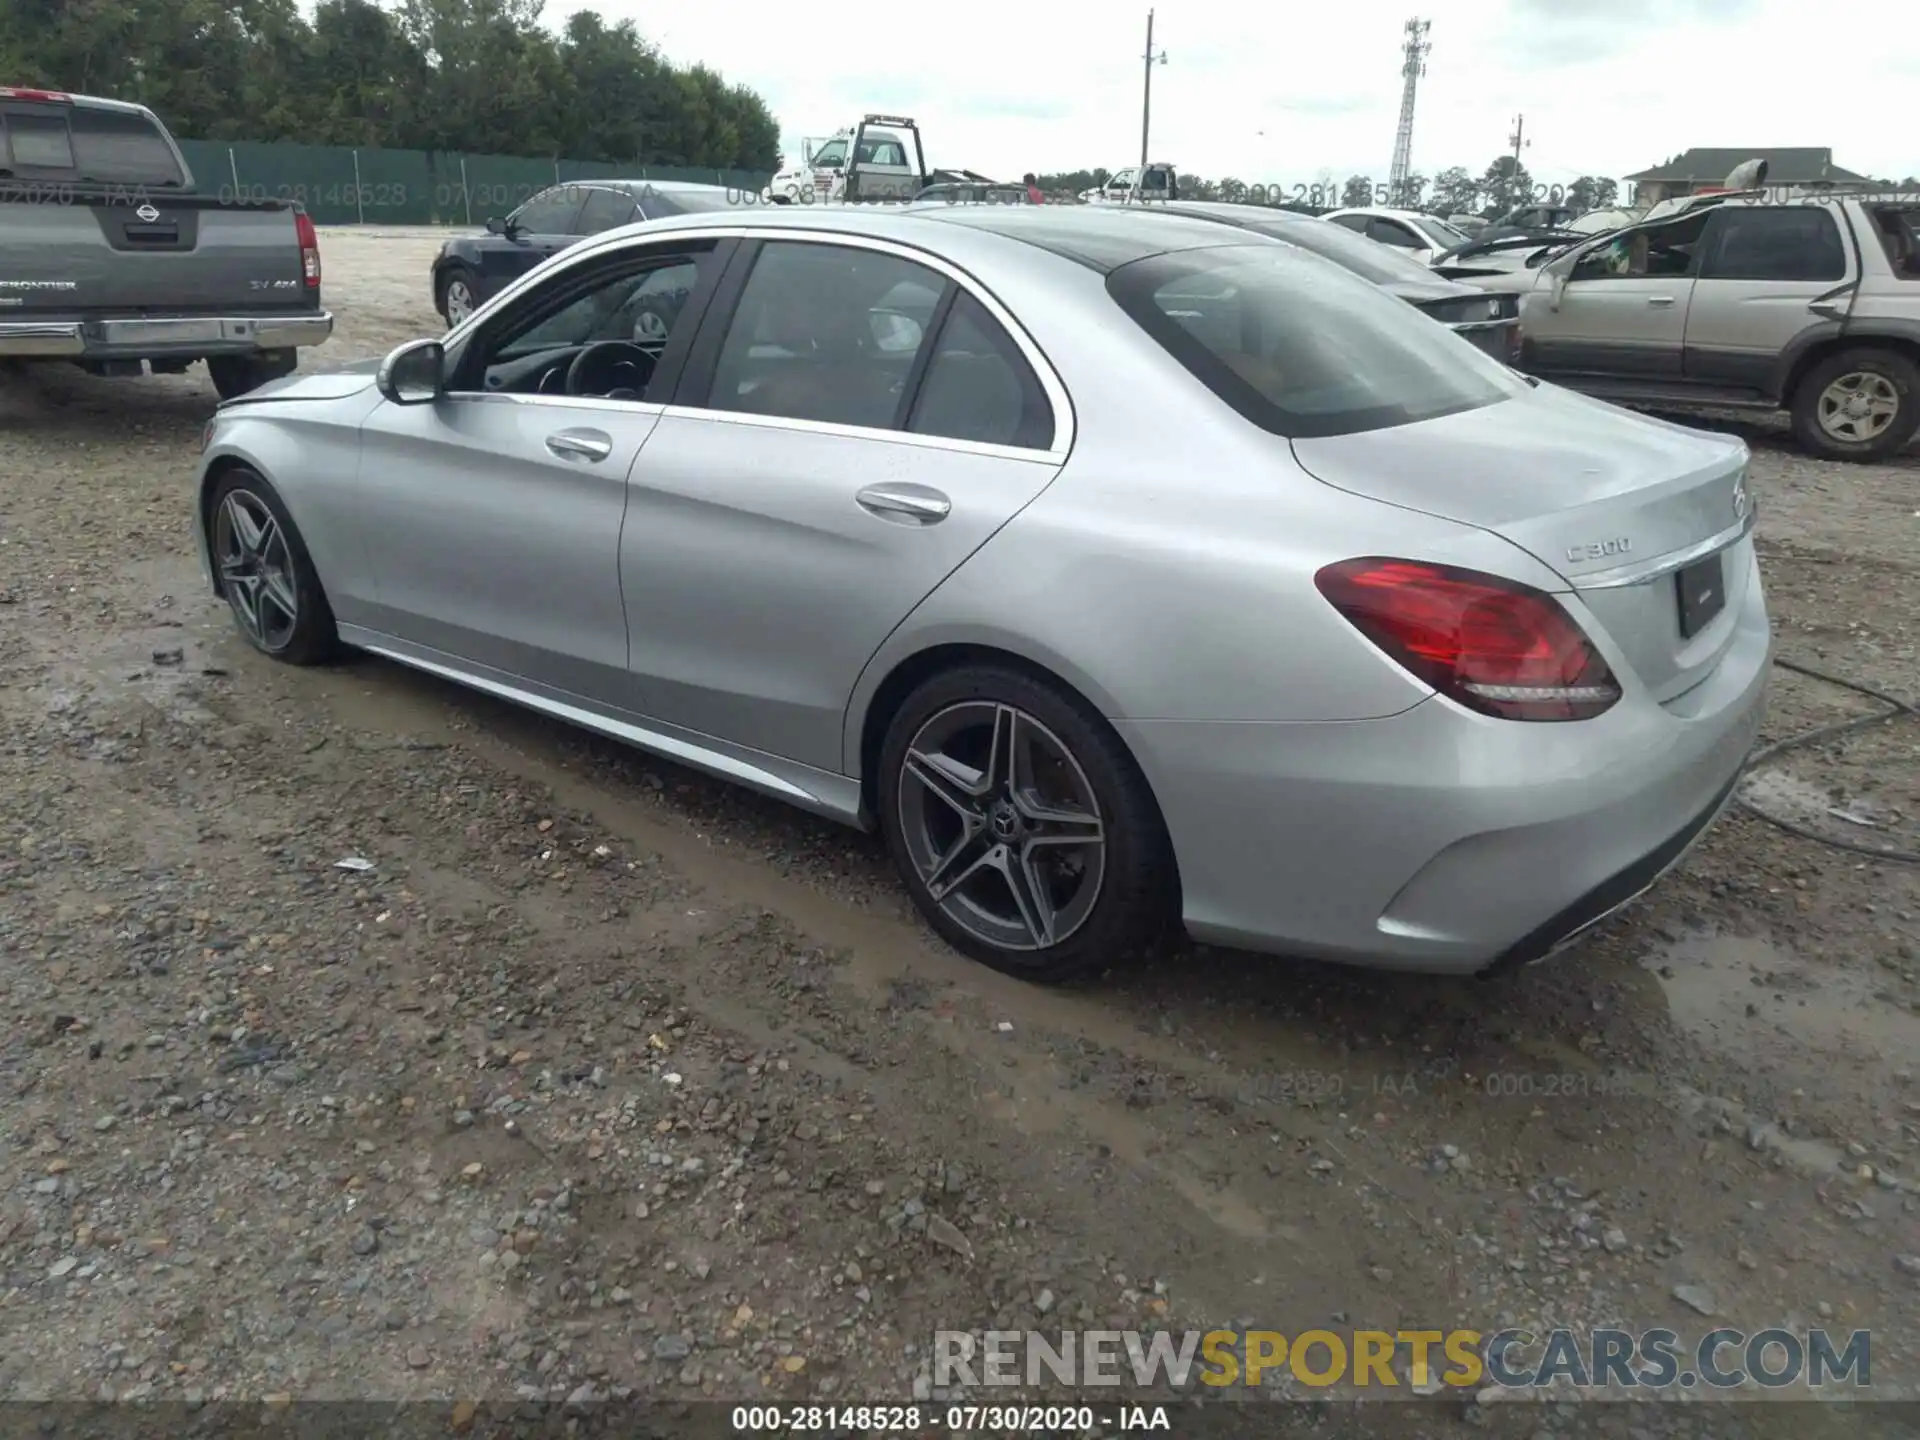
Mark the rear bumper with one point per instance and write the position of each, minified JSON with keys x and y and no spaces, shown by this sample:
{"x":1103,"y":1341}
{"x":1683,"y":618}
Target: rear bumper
{"x":141,"y":338}
{"x":1436,"y":840}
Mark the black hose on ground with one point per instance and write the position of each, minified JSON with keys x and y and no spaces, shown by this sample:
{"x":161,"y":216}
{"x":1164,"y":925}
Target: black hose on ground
{"x":1898,"y":708}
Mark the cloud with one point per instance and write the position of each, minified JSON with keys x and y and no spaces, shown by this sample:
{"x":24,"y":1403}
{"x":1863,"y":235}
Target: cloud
{"x":1281,"y":93}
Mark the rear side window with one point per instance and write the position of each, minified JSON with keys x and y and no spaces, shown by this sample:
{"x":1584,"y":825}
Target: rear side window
{"x":1392,"y":232}
{"x":84,"y":143}
{"x":604,"y":210}
{"x":1780,"y":243}
{"x":979,"y":387}
{"x":1299,"y":346}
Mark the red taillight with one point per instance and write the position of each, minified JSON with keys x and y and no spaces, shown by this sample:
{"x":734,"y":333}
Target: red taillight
{"x":51,"y":97}
{"x":1492,"y":645}
{"x":309,"y":240}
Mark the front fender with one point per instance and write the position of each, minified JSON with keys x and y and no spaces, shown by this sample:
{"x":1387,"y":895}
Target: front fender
{"x":310,"y":453}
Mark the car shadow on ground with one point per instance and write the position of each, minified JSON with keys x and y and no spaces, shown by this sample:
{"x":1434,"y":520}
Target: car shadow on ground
{"x":1251,"y":1013}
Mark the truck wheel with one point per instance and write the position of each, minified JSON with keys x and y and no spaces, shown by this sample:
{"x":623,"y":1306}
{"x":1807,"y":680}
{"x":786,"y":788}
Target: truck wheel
{"x":1859,"y":404}
{"x":456,"y":300}
{"x":237,"y":374}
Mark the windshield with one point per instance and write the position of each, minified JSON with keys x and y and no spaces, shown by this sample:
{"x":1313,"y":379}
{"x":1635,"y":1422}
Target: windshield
{"x":1301,"y":347}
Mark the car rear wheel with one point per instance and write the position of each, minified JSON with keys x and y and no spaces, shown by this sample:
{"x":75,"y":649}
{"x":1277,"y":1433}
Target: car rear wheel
{"x":1857,"y":405}
{"x":457,"y":300}
{"x":1022,"y":828}
{"x":265,"y":572}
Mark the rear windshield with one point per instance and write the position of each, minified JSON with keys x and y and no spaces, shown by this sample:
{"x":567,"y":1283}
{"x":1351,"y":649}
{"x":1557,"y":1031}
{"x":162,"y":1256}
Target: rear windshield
{"x":82,"y":143}
{"x":1299,"y":346}
{"x":1379,"y":263}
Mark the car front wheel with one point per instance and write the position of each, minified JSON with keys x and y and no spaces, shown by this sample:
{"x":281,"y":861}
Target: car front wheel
{"x":1022,"y":828}
{"x":265,"y":572}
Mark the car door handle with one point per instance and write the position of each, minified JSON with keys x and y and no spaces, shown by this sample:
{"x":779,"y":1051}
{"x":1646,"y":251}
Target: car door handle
{"x":580,"y":444}
{"x":913,"y":504}
{"x":1660,"y":300}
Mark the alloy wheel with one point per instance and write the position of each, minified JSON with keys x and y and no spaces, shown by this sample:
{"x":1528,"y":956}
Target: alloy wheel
{"x":459,"y":301}
{"x":1002,"y":825}
{"x":256,"y":570}
{"x":1858,"y":407}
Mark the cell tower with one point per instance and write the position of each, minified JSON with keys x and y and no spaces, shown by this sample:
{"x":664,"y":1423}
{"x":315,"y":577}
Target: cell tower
{"x":1413,"y":64}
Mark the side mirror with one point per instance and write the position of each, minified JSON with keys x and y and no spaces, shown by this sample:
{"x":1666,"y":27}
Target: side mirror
{"x":414,"y":374}
{"x":496,"y":226}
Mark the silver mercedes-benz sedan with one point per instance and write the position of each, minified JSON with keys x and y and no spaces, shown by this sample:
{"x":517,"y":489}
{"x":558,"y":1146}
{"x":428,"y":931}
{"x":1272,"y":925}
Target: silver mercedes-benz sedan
{"x":1112,"y":571}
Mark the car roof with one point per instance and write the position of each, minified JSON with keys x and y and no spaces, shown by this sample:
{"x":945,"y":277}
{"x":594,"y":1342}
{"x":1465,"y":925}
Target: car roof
{"x":659,"y":187}
{"x":1102,"y":238}
{"x":1387,"y":212}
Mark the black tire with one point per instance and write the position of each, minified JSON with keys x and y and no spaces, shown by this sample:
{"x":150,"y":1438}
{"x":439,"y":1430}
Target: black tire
{"x":1892,"y":369}
{"x":235,"y":375}
{"x":1137,"y":888}
{"x":455,"y":274}
{"x":311,"y":638}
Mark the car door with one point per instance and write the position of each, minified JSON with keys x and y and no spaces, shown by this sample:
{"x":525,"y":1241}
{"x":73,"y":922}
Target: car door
{"x":827,"y":462}
{"x":1617,"y":310}
{"x":1763,"y":268}
{"x":537,"y":231}
{"x":492,"y":515}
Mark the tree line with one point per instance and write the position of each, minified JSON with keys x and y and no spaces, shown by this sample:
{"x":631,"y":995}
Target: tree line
{"x":481,"y":76}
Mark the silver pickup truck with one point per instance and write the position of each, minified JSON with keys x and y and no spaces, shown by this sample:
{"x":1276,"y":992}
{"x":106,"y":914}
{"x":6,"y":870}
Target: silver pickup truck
{"x":109,"y":259}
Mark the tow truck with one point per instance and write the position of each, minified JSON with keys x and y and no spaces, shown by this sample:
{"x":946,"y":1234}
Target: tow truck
{"x":864,"y":162}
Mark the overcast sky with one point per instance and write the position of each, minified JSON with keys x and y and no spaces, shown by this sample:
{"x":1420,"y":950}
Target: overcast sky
{"x":1277,"y":93}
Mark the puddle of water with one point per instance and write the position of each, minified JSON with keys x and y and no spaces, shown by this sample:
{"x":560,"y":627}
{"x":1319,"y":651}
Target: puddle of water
{"x":1749,"y":997}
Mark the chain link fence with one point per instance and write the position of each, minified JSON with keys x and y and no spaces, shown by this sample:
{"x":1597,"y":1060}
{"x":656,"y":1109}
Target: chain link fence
{"x":342,"y":186}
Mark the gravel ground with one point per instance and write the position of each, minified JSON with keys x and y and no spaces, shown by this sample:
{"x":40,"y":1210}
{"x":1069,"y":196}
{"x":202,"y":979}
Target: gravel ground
{"x":608,"y":1075}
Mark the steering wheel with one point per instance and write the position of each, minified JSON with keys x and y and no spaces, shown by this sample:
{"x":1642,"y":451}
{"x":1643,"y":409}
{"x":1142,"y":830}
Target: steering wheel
{"x":602,"y":363}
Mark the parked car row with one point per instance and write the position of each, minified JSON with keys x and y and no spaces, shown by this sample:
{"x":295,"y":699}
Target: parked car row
{"x":1352,"y":642}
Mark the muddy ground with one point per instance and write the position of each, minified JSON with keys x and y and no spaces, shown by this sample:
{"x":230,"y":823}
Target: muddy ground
{"x":608,"y":1075}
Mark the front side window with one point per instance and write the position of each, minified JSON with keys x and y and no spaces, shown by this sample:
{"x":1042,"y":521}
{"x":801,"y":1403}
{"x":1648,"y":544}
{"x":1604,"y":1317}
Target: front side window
{"x":616,"y":323}
{"x":1775,"y":243}
{"x":1301,"y":349}
{"x":1355,"y":223}
{"x":1664,"y":252}
{"x":549,"y":213}
{"x":823,"y":333}
{"x":834,"y":152}
{"x":1900,"y":238}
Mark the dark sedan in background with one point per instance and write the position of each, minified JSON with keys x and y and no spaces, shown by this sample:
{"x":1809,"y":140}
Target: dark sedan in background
{"x":472,"y":269}
{"x":1490,"y":321}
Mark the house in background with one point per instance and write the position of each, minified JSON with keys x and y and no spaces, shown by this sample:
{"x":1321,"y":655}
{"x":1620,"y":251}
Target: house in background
{"x":1699,"y":170}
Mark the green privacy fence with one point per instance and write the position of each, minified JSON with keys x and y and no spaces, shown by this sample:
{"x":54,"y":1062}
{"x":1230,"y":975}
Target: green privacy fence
{"x":341,"y":186}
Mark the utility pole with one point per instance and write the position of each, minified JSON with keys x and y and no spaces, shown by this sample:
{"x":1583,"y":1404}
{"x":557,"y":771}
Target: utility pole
{"x":1413,"y":64}
{"x":1146,"y":91}
{"x":1518,"y":138}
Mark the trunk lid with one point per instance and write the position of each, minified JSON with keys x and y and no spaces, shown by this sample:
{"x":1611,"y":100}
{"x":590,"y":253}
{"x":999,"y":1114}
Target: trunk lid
{"x":1616,"y":504}
{"x":154,"y":253}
